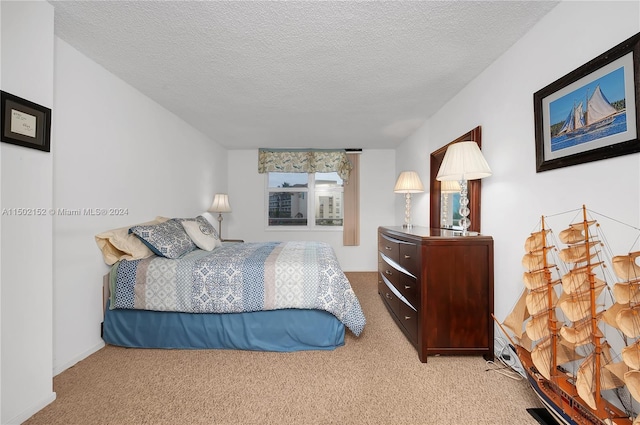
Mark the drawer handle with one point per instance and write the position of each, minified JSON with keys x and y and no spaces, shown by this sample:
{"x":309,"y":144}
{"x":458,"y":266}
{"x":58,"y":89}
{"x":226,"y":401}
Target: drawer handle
{"x":407,"y":256}
{"x":407,"y":286}
{"x":388,"y":272}
{"x":388,"y":296}
{"x":407,"y":317}
{"x":388,"y":248}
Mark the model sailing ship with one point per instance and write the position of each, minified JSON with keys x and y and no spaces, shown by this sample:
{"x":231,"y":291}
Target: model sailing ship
{"x":561,"y":324}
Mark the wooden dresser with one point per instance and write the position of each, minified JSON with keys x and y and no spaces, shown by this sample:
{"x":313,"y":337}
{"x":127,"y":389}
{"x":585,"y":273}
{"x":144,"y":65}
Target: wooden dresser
{"x":438,"y":287}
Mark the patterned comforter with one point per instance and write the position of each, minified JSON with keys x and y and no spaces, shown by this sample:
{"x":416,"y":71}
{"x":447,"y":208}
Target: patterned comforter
{"x":240,"y":277}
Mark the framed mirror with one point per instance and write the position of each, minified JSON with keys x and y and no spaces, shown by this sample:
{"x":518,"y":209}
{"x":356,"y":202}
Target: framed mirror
{"x":435,"y":187}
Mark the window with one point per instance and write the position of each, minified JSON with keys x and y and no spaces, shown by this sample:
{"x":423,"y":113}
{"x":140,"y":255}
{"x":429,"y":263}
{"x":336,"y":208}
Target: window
{"x":313,"y":200}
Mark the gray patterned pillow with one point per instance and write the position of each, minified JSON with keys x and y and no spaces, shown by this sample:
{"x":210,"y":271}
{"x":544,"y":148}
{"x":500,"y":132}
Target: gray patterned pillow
{"x":166,"y":239}
{"x":201,"y":232}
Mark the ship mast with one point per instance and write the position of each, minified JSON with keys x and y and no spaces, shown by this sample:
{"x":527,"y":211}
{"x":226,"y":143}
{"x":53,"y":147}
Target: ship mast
{"x":594,"y":317}
{"x":586,"y":117}
{"x":553,"y":323}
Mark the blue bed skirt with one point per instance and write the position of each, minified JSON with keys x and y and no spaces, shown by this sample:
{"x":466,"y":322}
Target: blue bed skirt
{"x":275,"y":330}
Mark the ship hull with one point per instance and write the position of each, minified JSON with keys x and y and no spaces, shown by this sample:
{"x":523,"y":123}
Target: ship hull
{"x":562,"y":402}
{"x":587,"y":128}
{"x":553,"y":409}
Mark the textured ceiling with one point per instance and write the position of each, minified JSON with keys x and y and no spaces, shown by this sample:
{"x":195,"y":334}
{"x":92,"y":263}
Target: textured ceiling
{"x":298,"y":74}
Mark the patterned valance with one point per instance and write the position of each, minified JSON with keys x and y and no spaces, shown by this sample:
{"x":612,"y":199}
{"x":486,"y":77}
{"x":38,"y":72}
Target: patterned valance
{"x":304,"y":161}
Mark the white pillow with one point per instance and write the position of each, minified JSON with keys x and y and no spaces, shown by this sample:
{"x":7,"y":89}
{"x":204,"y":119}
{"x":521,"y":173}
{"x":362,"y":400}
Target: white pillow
{"x":202,"y":233}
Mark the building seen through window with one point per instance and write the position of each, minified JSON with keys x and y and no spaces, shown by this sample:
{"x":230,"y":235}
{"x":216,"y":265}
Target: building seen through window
{"x":291,"y":196}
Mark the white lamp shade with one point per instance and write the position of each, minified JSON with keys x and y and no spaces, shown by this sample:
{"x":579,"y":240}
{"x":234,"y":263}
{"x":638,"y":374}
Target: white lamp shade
{"x":408,"y":182}
{"x":450,"y":186}
{"x":220,"y":203}
{"x":463,"y":161}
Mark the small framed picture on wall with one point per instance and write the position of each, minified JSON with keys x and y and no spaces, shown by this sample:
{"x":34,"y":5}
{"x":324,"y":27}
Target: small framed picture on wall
{"x":25,"y":123}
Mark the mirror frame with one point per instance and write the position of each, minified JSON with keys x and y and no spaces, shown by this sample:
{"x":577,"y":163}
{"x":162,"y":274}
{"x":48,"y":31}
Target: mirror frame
{"x":474,"y":186}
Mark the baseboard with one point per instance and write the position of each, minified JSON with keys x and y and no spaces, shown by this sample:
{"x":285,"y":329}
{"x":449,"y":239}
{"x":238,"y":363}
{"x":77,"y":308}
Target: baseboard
{"x":27,"y":413}
{"x":61,"y":368}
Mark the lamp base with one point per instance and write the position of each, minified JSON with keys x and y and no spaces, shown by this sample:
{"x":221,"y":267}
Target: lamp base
{"x":220,"y":226}
{"x":464,"y":207}
{"x":407,"y":211}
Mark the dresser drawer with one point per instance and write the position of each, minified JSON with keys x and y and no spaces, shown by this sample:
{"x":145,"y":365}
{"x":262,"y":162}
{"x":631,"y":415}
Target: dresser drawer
{"x":388,"y":296}
{"x":408,"y":258}
{"x":409,"y":319}
{"x":408,"y":287}
{"x":389,"y":247}
{"x":390,"y":272}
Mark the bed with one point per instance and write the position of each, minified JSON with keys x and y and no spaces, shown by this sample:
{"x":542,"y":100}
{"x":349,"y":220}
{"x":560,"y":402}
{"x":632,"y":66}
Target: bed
{"x":267,"y":296}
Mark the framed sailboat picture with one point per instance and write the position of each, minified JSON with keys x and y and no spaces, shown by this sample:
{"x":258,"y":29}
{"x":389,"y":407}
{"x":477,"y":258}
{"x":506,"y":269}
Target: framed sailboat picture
{"x":592,"y":113}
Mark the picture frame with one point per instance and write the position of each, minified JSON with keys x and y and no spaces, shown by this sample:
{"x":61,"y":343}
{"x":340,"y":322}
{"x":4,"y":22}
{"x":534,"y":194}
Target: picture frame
{"x":25,"y":123}
{"x":592,"y":113}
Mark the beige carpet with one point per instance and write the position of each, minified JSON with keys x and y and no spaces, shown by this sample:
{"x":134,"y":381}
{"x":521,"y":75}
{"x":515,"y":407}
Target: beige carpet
{"x":374,"y":379}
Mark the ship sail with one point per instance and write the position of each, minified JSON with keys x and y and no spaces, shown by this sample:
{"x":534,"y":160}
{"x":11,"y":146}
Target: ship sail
{"x":559,"y":324}
{"x":538,"y":327}
{"x":534,"y":280}
{"x":578,"y":307}
{"x":629,"y":321}
{"x":515,"y":320}
{"x":543,"y":353}
{"x":610,"y":315}
{"x":586,"y":376}
{"x":598,"y":107}
{"x":580,"y":333}
{"x":631,"y":356}
{"x":574,"y":121}
{"x":537,"y":300}
{"x":575,"y":233}
{"x":533,"y":261}
{"x":632,"y":378}
{"x":627,"y":292}
{"x":578,"y":281}
{"x":625,"y":266}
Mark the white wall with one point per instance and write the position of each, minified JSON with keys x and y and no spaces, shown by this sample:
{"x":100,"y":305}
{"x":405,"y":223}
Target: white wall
{"x":248,"y":217}
{"x":414,"y":155}
{"x":115,"y":148}
{"x":26,"y":261}
{"x":0,"y":234}
{"x":501,"y":101}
